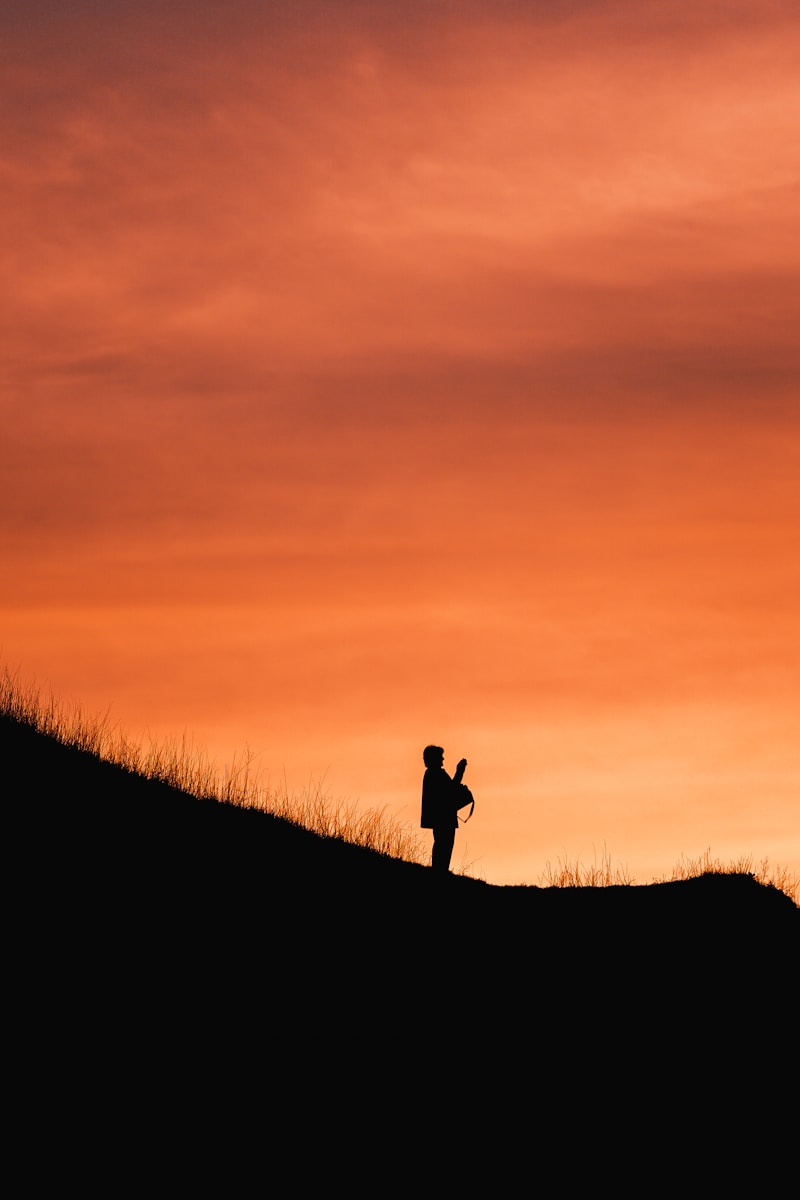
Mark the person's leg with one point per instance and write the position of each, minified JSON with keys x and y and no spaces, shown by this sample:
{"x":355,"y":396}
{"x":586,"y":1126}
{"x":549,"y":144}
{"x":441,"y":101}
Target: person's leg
{"x":443,"y":839}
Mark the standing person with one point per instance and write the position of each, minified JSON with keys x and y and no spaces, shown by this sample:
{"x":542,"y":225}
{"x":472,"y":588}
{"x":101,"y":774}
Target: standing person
{"x":442,"y":797}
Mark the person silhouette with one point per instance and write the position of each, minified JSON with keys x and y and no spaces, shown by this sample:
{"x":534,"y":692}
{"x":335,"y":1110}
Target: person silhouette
{"x":442,"y":797}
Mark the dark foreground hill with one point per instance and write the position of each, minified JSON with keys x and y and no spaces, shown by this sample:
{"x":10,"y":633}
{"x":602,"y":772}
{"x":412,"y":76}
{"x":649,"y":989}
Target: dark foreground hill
{"x":216,"y":961}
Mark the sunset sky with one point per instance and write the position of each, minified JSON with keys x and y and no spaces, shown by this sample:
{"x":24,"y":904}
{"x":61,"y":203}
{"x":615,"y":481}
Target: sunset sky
{"x":377,"y":374}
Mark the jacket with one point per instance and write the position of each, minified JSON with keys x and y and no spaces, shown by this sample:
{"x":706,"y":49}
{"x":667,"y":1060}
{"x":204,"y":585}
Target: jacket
{"x":442,"y":797}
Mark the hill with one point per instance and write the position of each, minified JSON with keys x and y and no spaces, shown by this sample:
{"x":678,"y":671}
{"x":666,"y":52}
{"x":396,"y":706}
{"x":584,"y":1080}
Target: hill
{"x":164,"y":942}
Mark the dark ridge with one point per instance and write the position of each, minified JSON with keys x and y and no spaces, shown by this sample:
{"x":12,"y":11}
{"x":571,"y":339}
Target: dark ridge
{"x":158,"y":936}
{"x":93,"y":829}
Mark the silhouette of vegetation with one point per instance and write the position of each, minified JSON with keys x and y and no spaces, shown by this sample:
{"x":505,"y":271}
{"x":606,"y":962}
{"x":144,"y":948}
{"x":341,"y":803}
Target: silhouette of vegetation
{"x":576,"y":874}
{"x":182,"y":765}
{"x":776,"y":876}
{"x":606,"y":874}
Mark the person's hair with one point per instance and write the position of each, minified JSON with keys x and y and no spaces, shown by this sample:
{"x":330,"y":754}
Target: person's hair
{"x":431,"y":755}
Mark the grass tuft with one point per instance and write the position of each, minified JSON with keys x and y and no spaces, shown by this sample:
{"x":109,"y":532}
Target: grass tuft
{"x":770,"y":875}
{"x":568,"y":874}
{"x":181,"y":764}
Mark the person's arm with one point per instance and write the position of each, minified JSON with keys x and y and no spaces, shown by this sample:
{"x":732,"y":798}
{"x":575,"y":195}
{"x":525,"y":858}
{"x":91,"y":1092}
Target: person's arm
{"x":460,"y":769}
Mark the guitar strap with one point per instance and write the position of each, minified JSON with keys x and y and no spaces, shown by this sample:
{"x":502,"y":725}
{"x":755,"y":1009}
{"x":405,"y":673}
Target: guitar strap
{"x":464,"y":820}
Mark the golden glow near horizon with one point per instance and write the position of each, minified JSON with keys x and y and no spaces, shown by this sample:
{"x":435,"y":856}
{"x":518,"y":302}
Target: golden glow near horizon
{"x":372,"y":379}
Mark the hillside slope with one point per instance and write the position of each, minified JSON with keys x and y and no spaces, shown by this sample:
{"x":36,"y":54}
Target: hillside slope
{"x":118,"y":848}
{"x":90,"y":824}
{"x":255,"y":980}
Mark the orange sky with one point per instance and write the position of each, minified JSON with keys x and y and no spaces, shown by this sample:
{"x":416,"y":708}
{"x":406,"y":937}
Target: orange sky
{"x":380,"y":374}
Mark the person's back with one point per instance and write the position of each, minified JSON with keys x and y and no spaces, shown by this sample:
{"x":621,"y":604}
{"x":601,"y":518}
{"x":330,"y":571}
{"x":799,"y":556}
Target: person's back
{"x":438,"y":799}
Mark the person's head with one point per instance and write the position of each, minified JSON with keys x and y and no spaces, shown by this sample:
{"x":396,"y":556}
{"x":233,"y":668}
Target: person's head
{"x":433,"y":756}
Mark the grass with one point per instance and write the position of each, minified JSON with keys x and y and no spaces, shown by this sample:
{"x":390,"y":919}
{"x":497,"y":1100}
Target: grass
{"x":605,"y":874}
{"x":181,"y":764}
{"x":575,"y":874}
{"x":185,"y":766}
{"x":773,"y":875}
